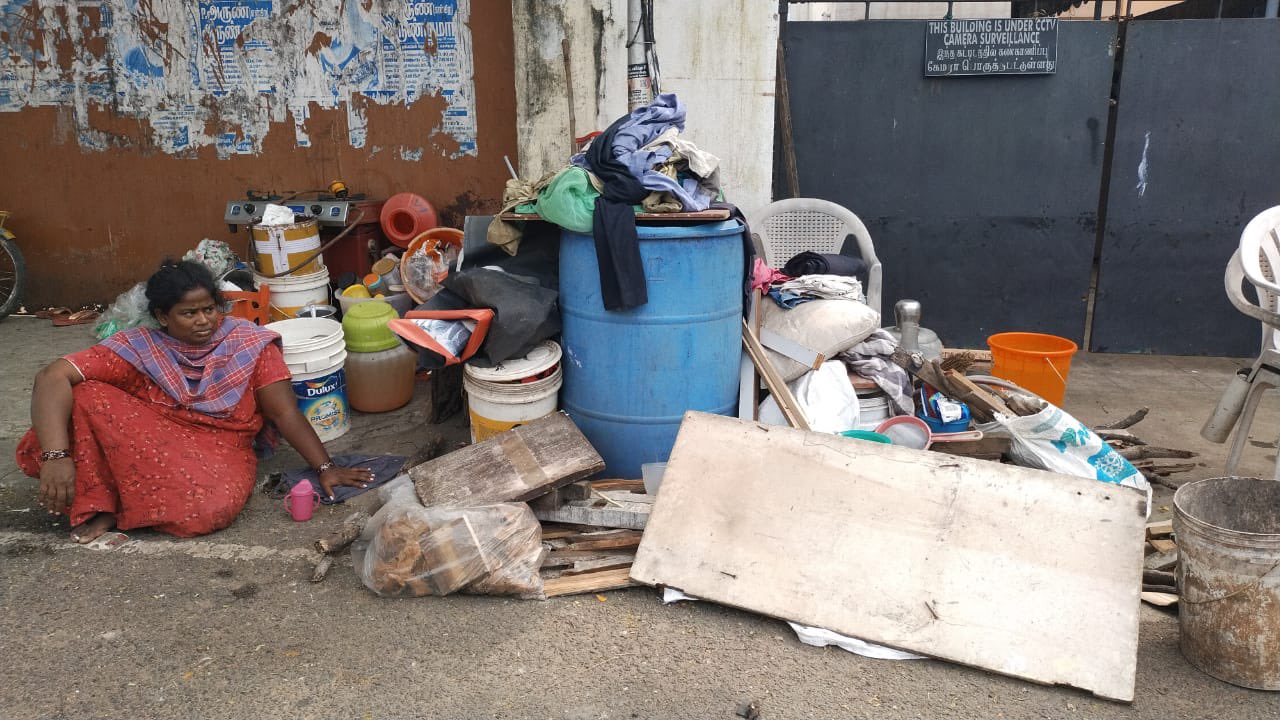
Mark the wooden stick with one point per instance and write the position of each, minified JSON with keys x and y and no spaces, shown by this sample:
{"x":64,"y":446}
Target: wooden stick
{"x":1127,"y":421}
{"x":588,"y":582}
{"x":322,"y":568}
{"x":1123,"y":437}
{"x":1151,"y":452}
{"x":625,"y":539}
{"x":777,"y":386}
{"x":346,"y":533}
{"x":977,"y":398}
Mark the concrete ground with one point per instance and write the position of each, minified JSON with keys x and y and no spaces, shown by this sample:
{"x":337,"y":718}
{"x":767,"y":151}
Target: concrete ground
{"x":228,"y":626}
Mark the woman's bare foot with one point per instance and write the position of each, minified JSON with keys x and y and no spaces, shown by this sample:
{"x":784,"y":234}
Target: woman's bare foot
{"x":89,"y":530}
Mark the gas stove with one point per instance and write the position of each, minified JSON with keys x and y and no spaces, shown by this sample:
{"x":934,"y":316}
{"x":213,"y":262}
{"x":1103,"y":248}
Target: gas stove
{"x":329,"y":211}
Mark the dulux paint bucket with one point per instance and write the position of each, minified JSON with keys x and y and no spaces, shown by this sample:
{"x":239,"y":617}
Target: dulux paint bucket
{"x":315,"y":352}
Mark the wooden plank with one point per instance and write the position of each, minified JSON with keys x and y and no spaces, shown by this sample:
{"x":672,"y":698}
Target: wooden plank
{"x":1159,"y":599}
{"x":602,"y":541}
{"x":631,"y":516}
{"x":940,"y":555}
{"x":1160,"y":560}
{"x":519,"y":464}
{"x":777,"y":386}
{"x":978,"y":398}
{"x":1163,"y":545}
{"x":635,"y":486}
{"x":570,"y":558}
{"x":989,"y":445}
{"x":582,"y":567}
{"x":1159,"y":528}
{"x":588,"y":582}
{"x":642,"y":217}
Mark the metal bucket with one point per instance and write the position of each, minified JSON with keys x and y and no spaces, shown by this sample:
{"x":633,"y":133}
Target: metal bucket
{"x":1228,"y":533}
{"x":280,"y":247}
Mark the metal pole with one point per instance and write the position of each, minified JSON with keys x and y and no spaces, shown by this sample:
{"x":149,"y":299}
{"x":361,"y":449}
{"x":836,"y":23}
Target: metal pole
{"x":638,"y":90}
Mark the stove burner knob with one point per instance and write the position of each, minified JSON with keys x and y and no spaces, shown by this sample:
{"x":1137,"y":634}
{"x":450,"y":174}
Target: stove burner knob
{"x":249,"y":208}
{"x":316,"y":210}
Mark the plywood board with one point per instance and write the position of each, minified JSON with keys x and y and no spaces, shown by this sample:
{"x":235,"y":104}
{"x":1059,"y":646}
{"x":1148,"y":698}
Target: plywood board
{"x":1018,"y":571}
{"x":519,"y":464}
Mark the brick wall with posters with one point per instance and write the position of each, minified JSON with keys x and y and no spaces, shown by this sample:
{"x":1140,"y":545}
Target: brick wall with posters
{"x":127,"y":125}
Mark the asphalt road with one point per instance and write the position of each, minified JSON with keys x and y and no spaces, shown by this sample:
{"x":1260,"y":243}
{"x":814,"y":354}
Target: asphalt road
{"x":229,"y":627}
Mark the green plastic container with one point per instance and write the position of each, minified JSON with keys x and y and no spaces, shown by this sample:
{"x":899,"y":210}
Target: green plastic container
{"x":365,"y":327}
{"x":867,"y":435}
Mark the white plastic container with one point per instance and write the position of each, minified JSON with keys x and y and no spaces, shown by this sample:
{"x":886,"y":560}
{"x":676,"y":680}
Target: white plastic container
{"x":291,"y":293}
{"x":498,"y":399}
{"x":873,"y":409}
{"x":315,"y":353}
{"x":651,"y":474}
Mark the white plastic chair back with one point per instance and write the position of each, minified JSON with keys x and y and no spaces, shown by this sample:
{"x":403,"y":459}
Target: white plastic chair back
{"x":1260,"y":258}
{"x":789,"y":227}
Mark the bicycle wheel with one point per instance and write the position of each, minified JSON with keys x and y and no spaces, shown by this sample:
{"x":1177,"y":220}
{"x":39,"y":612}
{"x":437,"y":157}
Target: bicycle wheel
{"x":13,"y":275}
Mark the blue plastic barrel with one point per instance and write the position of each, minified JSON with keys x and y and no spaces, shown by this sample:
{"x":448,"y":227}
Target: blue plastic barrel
{"x":629,"y":376}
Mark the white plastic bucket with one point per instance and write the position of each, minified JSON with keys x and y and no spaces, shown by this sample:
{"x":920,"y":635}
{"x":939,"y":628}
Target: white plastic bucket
{"x":496,"y":407}
{"x":315,"y":352}
{"x":291,"y":293}
{"x":873,"y":409}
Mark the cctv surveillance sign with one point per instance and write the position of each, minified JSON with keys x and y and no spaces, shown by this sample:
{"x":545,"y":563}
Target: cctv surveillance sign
{"x":998,"y":46}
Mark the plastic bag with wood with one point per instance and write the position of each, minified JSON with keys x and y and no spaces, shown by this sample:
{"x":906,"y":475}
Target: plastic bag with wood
{"x":409,"y":550}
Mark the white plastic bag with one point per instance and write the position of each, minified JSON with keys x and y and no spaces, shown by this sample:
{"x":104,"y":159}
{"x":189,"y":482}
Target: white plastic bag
{"x":128,"y":311}
{"x":1054,"y":440}
{"x":826,"y":398}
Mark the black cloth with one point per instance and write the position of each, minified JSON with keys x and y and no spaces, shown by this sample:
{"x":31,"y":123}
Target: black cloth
{"x":812,"y":263}
{"x":525,"y":311}
{"x":748,"y":252}
{"x":613,"y":226}
{"x":384,"y":467}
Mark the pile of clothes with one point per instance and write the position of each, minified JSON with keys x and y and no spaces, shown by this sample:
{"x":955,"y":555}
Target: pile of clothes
{"x":639,"y":164}
{"x":818,"y":304}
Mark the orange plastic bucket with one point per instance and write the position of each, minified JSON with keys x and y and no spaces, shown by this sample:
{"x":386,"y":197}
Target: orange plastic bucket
{"x":1037,"y":362}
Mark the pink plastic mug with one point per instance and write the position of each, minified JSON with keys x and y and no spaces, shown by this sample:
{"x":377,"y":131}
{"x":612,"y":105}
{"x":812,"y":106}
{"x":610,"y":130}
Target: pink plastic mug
{"x":302,"y":501}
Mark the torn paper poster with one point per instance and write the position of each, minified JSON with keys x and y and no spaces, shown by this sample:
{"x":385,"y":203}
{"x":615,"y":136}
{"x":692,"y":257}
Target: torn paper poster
{"x":220,"y":72}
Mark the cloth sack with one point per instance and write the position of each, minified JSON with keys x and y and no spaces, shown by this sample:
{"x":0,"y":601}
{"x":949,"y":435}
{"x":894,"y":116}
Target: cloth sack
{"x":823,"y":326}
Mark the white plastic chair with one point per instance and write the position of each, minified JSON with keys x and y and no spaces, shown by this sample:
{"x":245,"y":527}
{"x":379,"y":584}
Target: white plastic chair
{"x":1257,"y":261}
{"x":788,"y":227}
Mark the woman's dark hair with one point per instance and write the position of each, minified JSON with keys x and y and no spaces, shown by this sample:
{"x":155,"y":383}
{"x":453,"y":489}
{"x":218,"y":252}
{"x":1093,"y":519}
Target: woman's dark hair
{"x":175,"y":279}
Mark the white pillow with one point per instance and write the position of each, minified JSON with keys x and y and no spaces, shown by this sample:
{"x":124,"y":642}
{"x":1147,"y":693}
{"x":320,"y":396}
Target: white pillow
{"x":823,"y":326}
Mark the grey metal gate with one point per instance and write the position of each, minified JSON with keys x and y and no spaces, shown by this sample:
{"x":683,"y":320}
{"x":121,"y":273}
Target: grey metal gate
{"x":1197,"y":154}
{"x":981,"y":193}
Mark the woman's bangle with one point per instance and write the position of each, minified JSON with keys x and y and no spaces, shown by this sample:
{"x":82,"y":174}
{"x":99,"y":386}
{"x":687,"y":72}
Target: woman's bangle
{"x":48,"y":455}
{"x":326,"y":466}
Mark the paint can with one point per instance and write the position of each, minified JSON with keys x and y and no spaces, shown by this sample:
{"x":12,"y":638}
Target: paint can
{"x":1228,"y":533}
{"x":291,"y":293}
{"x":277,"y":248}
{"x":513,"y":393}
{"x":315,"y":352}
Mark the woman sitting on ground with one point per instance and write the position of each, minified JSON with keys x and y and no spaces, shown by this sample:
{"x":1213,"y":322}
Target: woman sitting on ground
{"x":156,"y":428}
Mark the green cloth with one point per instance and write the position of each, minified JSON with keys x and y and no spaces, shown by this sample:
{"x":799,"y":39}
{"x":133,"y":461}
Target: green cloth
{"x":569,"y":201}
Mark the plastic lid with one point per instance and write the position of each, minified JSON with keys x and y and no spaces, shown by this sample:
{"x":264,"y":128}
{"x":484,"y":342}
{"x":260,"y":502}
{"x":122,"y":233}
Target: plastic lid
{"x":365,"y":327}
{"x":541,"y":358}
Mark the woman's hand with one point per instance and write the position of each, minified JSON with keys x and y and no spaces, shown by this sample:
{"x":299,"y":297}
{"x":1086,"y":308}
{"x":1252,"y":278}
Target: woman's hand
{"x":339,"y":476}
{"x":57,"y":485}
